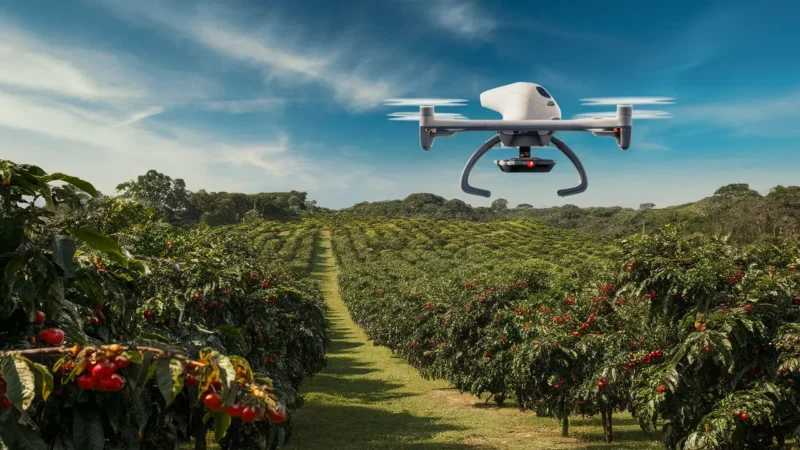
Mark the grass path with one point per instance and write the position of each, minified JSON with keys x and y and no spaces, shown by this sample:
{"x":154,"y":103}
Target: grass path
{"x":368,"y":398}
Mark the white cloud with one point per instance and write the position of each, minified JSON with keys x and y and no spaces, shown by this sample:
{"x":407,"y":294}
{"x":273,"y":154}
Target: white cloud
{"x":746,"y":111}
{"x":100,"y":150}
{"x":87,"y":117}
{"x":31,"y":64}
{"x":272,"y":159}
{"x":775,"y":115}
{"x":718,"y":30}
{"x":464,"y":18}
{"x":245,"y":106}
{"x":72,"y":124}
{"x":57,"y":67}
{"x":136,"y":117}
{"x":350,"y":75}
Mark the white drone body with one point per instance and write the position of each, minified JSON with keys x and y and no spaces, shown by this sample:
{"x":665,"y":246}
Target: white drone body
{"x":530,"y":118}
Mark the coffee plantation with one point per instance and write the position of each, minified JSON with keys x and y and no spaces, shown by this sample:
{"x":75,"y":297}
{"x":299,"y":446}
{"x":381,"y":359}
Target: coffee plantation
{"x":698,"y":339}
{"x":126,"y":324}
{"x":115,"y":324}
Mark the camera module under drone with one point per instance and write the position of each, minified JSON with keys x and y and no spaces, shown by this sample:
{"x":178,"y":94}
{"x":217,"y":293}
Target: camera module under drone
{"x":530,"y":118}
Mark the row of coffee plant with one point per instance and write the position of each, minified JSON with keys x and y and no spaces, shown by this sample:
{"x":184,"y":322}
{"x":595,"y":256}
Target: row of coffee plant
{"x":697,"y":338}
{"x":119,"y":329}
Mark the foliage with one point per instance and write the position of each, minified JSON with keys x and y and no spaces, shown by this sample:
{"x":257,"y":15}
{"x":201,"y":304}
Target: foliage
{"x":170,"y":200}
{"x":114,"y":326}
{"x":734,"y":210}
{"x":154,"y":189}
{"x":500,"y":204}
{"x":223,"y":208}
{"x":694,"y":336}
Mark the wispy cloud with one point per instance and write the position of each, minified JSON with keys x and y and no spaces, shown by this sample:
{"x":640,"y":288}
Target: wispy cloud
{"x":57,"y":120}
{"x":768,"y":115}
{"x":464,"y":18}
{"x":35,"y":129}
{"x":748,"y":111}
{"x":273,"y":159}
{"x":354,"y":80}
{"x":646,"y":145}
{"x":53,"y":68}
{"x":136,"y":117}
{"x":245,"y":106}
{"x":88,"y":117}
{"x":32,"y":65}
{"x":703,"y":38}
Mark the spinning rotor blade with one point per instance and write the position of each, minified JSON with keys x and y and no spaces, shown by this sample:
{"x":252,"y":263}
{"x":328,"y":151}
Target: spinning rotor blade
{"x":414,"y":116}
{"x":603,"y":101}
{"x":425,"y":101}
{"x":637,"y":114}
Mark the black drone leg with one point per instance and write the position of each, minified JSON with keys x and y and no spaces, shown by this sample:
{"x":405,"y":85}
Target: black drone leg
{"x":584,"y":183}
{"x":468,"y":168}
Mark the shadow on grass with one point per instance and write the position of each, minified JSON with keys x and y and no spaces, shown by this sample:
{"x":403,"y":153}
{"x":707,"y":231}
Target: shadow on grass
{"x":343,"y":366}
{"x":366,"y":390}
{"x":341,"y":345}
{"x":494,"y":406}
{"x":357,"y":427}
{"x":618,"y":445}
{"x":627,"y":434}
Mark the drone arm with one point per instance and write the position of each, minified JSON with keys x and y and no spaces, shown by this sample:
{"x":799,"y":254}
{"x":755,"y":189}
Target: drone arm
{"x":584,"y":183}
{"x":494,"y":140}
{"x":430,"y":127}
{"x":521,"y":125}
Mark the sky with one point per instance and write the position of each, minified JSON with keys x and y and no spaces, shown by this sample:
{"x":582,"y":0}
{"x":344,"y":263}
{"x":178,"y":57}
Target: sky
{"x":264,"y":96}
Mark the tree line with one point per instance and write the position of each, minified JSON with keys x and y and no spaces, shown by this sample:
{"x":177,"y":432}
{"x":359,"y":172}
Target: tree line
{"x":735,"y":210}
{"x":170,"y":199}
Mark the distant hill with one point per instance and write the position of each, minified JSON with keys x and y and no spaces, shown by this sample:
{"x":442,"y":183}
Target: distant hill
{"x":735,"y":210}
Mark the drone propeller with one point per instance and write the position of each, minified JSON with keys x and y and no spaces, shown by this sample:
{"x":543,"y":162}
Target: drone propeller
{"x":414,"y":116}
{"x":627,"y":101}
{"x":637,"y":114}
{"x":425,"y":101}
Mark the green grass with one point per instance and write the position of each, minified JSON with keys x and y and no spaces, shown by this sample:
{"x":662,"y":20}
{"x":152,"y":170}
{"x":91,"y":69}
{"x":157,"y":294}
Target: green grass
{"x":368,"y":398}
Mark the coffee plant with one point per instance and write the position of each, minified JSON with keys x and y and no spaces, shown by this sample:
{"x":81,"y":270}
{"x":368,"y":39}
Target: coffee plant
{"x":121,"y":329}
{"x":118,"y":329}
{"x":697,"y":338}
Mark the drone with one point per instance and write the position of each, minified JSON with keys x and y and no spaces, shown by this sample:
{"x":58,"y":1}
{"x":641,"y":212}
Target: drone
{"x":531,"y":116}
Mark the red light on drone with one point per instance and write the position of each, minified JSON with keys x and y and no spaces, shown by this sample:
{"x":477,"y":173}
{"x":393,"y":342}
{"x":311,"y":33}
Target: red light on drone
{"x":616,"y":130}
{"x":530,"y":163}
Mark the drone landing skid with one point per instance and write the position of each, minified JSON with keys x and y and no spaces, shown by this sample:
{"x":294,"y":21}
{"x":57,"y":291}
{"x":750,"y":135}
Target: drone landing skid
{"x":523,"y":165}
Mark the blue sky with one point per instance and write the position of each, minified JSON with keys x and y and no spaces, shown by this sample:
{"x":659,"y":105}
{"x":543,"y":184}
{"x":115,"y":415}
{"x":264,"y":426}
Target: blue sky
{"x":258,"y":96}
